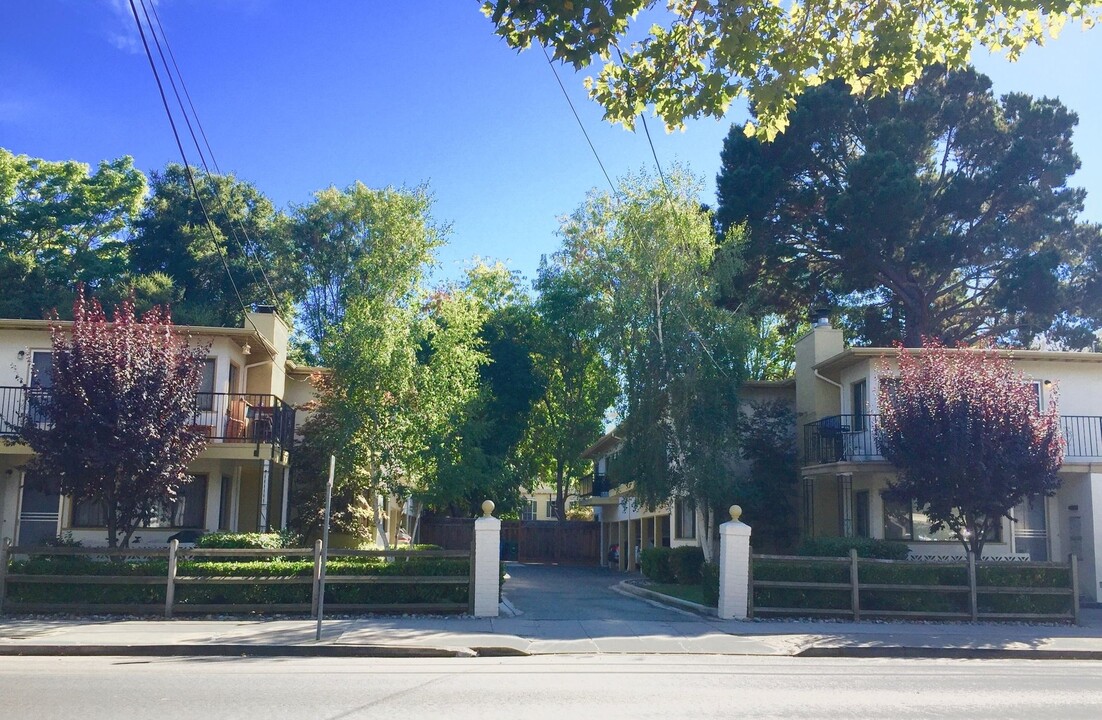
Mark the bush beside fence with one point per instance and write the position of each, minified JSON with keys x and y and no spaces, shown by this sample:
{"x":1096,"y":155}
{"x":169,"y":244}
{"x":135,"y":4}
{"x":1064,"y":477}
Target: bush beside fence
{"x":232,"y":580}
{"x":856,"y":587}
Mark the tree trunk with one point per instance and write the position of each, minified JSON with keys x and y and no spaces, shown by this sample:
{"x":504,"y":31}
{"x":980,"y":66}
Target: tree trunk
{"x":560,"y":491}
{"x":380,"y":532}
{"x":414,"y":535}
{"x":704,"y":533}
{"x":916,"y":324}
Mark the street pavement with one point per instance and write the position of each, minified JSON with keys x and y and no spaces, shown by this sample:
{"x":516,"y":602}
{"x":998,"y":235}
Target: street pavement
{"x":559,"y":686}
{"x":553,"y":610}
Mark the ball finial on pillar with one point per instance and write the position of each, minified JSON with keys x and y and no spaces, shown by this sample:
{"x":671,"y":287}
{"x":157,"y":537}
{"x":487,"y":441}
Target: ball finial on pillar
{"x":487,"y":508}
{"x":736,"y":513}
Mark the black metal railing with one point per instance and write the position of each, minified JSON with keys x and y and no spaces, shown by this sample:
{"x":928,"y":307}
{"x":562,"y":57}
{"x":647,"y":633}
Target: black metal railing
{"x":841,"y":438}
{"x":852,"y":438}
{"x":245,"y":418}
{"x":222,"y":417}
{"x":599,"y":485}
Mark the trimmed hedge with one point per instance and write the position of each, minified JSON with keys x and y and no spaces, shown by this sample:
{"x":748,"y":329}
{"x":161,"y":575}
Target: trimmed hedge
{"x":920,"y":599}
{"x":686,"y":563}
{"x":245,"y":541}
{"x":709,"y":584}
{"x":238,"y":594}
{"x":866,"y":548}
{"x":656,"y":565}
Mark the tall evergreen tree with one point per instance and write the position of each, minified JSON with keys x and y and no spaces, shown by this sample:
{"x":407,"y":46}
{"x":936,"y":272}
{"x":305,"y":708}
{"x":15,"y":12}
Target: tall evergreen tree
{"x":940,"y":211}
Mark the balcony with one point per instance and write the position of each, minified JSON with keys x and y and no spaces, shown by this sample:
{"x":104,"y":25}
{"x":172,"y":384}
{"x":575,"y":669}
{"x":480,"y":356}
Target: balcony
{"x":852,"y":438}
{"x":246,"y":418}
{"x":600,"y":485}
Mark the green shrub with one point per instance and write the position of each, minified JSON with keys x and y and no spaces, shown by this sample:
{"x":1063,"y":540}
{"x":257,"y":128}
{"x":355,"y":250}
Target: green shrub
{"x":685,"y":564}
{"x":801,"y":597}
{"x":245,"y":594}
{"x":866,"y":548}
{"x":244,"y":541}
{"x":709,"y":584}
{"x":925,"y":597}
{"x":656,"y":565}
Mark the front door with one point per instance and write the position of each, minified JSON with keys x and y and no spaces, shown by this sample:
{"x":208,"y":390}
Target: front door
{"x":1031,"y":529}
{"x":39,"y":516}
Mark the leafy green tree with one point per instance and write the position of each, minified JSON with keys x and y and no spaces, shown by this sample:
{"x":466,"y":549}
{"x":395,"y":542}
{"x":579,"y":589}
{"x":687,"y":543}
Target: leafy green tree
{"x":345,"y":233}
{"x":579,"y":385}
{"x":764,"y":487}
{"x":251,"y":237}
{"x":492,"y":425}
{"x":698,"y":57}
{"x":967,"y":437}
{"x":649,"y":254}
{"x":404,"y":361}
{"x":63,"y":225}
{"x":941,"y":211}
{"x":116,"y":426}
{"x":772,"y":349}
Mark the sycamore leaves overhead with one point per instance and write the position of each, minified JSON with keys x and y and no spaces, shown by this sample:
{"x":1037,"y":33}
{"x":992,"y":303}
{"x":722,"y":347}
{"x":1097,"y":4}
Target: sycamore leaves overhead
{"x":700,"y":55}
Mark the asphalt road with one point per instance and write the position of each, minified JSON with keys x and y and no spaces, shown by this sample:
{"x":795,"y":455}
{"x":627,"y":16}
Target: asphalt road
{"x":562,"y":687}
{"x":569,"y":592}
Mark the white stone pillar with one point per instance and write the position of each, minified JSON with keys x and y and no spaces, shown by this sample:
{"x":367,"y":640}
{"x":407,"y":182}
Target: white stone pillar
{"x":734,"y":567}
{"x":487,"y":563}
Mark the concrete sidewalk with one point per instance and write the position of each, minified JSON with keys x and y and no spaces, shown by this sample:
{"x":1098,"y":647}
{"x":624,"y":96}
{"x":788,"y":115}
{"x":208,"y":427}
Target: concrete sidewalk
{"x":410,"y":636}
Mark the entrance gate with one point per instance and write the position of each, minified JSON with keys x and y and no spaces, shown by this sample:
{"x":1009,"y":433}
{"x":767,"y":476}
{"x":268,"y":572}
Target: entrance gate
{"x":573,"y":541}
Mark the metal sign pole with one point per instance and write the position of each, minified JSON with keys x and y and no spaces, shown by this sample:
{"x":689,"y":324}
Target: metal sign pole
{"x":325,"y":544}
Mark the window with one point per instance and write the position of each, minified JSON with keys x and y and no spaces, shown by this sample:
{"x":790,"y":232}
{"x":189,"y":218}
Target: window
{"x":527,"y":509}
{"x":188,"y":511}
{"x":552,"y":510}
{"x":1036,"y":388}
{"x":897,"y":519}
{"x":205,"y":399}
{"x":684,"y":519}
{"x":904,"y":521}
{"x":225,"y":504}
{"x":861,"y":513}
{"x":89,"y":514}
{"x":860,"y":409}
{"x":42,"y":379}
{"x":920,"y":525}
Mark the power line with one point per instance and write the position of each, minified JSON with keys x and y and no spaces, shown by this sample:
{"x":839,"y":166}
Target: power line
{"x":190,"y":177}
{"x":249,"y":260}
{"x":619,"y":196}
{"x":576,"y":117}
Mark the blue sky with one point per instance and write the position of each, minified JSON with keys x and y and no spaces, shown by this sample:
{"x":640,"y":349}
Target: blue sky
{"x":298,"y":96}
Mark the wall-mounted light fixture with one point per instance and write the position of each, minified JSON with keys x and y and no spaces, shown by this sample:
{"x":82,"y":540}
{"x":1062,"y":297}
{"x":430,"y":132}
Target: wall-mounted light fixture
{"x":21,"y":354}
{"x":1048,"y":383}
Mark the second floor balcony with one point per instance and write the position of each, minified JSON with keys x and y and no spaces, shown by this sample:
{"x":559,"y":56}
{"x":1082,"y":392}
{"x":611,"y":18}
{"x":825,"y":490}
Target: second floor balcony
{"x":247,"y":418}
{"x":852,"y":438}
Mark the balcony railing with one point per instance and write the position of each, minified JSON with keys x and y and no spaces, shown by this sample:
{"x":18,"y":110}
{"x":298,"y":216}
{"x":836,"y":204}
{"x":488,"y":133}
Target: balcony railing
{"x":600,"y":486}
{"x":222,"y":417}
{"x":841,"y":438}
{"x":852,"y":438}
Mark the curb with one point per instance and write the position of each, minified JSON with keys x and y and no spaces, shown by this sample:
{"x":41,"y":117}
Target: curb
{"x":666,"y":600}
{"x":948,"y":653}
{"x":366,"y":651}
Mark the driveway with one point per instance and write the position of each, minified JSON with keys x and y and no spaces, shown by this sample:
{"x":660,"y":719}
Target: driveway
{"x":569,"y":592}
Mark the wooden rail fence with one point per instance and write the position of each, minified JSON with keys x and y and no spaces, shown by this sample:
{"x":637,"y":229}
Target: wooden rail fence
{"x":172,"y":580}
{"x":855,"y":588}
